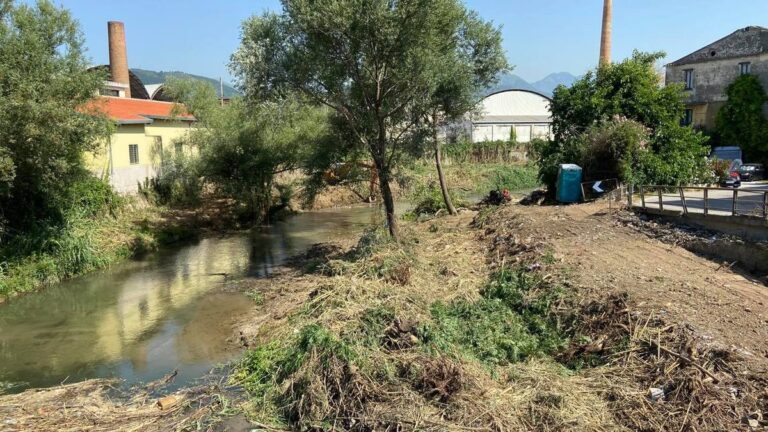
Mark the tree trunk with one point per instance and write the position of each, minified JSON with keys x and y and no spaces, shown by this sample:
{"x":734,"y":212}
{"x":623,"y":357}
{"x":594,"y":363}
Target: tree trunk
{"x":389,"y":201}
{"x":441,"y":176}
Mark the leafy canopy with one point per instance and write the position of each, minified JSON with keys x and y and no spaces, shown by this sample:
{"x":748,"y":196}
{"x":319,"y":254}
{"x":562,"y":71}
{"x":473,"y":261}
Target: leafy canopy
{"x":44,"y":83}
{"x":373,"y":62}
{"x":620,"y":122}
{"x":243,"y":147}
{"x":741,"y":121}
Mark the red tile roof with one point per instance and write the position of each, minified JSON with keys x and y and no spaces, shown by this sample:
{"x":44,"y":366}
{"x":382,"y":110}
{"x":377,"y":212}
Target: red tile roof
{"x":124,"y":110}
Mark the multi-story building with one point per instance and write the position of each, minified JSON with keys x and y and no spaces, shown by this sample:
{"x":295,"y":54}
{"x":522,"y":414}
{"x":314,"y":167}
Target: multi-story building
{"x":707,"y":72}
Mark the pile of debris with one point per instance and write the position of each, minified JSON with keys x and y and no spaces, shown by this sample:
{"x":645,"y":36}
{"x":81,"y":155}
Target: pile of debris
{"x":666,"y":377}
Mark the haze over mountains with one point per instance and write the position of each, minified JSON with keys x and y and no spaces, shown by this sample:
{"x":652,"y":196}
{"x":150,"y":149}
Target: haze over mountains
{"x":546,"y":85}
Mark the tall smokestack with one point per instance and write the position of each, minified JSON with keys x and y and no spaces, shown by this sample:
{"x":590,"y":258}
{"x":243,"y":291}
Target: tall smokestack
{"x":605,"y":40}
{"x":118,"y":55}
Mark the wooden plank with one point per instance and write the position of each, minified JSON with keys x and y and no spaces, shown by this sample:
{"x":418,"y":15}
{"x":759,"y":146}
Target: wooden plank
{"x":682,"y":198}
{"x":630,"y":192}
{"x":706,"y":201}
{"x":642,"y":196}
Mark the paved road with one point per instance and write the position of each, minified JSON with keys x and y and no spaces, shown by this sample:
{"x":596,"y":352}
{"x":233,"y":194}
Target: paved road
{"x":749,"y":201}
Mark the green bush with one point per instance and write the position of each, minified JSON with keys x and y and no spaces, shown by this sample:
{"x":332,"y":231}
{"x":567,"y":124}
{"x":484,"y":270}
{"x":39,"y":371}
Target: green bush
{"x":619,"y":122}
{"x":429,"y":200}
{"x":741,"y":121}
{"x":178,"y":181}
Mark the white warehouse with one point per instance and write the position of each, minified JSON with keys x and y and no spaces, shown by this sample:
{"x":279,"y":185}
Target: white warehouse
{"x":526,"y":111}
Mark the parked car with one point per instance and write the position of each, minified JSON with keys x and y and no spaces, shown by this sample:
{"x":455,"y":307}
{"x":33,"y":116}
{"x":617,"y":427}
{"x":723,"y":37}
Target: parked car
{"x":752,"y":172}
{"x":732,"y":180}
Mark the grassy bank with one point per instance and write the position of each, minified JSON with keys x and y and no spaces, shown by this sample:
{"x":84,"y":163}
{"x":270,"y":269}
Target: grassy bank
{"x":85,"y":242}
{"x":471,"y":179}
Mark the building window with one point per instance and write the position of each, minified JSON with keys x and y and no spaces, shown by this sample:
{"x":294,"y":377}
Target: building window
{"x":133,"y":153}
{"x":109,"y":92}
{"x":178,"y":148}
{"x":745,"y":68}
{"x":689,"y":79}
{"x":688,"y":117}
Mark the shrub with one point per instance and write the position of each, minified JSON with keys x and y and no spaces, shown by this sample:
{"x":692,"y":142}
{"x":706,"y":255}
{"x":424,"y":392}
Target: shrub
{"x":619,"y":122}
{"x":741,"y":121}
{"x":178,"y":181}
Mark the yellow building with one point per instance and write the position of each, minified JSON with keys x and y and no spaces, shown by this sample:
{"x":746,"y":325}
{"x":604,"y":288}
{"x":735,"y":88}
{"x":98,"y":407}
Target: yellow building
{"x":146,"y":130}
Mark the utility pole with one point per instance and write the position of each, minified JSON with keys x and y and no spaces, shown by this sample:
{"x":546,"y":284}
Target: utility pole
{"x":605,"y":40}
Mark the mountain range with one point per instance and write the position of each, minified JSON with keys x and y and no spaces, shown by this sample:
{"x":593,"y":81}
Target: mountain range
{"x":149,"y":77}
{"x":546,"y":86}
{"x":506,"y":81}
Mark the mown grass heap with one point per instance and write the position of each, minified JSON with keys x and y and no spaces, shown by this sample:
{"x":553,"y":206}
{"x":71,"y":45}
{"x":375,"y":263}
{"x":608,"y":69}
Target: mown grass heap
{"x":462,"y":343}
{"x":439,"y":349}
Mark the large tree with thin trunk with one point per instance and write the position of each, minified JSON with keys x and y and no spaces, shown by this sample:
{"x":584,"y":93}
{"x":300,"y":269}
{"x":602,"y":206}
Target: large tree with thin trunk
{"x":373,"y":62}
{"x":473,"y":65}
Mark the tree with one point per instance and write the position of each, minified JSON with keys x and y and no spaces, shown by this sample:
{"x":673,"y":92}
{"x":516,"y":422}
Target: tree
{"x":373,"y":62}
{"x":473,"y":64}
{"x":620,"y":92}
{"x":741,"y":121}
{"x":242,"y":147}
{"x":44,"y":85}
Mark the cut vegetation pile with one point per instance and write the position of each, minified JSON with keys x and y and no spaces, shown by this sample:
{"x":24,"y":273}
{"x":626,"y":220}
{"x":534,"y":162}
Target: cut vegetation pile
{"x":481,"y":329}
{"x":99,"y":405}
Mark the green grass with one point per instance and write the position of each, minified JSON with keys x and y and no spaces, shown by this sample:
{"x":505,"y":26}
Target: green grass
{"x":510,"y":323}
{"x":466,"y":180}
{"x":84,"y":242}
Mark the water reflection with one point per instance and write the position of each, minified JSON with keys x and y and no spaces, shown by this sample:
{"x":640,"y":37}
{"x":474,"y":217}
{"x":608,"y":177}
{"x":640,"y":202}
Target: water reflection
{"x":143,"y":319}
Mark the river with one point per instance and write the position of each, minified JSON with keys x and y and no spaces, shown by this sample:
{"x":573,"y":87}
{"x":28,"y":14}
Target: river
{"x":141,"y":319}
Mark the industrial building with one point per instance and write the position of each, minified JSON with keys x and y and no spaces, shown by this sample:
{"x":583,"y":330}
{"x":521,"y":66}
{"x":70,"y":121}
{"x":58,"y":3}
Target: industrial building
{"x":524,"y":111}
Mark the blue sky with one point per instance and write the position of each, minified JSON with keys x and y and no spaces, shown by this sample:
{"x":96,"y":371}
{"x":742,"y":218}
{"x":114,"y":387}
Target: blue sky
{"x":540,"y":37}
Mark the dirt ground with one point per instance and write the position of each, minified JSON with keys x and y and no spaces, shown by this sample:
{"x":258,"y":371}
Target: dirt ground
{"x":604,"y":256}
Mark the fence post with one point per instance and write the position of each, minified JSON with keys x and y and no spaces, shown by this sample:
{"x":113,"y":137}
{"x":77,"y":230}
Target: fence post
{"x":682,"y":198}
{"x":765,"y":205}
{"x":706,"y":201}
{"x":642,"y":196}
{"x":735,"y":198}
{"x":661,"y":200}
{"x":630,"y":192}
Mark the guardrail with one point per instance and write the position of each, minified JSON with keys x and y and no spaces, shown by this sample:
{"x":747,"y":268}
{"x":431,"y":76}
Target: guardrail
{"x":706,"y":200}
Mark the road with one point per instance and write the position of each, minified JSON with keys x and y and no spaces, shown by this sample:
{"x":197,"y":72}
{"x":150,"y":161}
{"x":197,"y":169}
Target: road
{"x":750,"y":200}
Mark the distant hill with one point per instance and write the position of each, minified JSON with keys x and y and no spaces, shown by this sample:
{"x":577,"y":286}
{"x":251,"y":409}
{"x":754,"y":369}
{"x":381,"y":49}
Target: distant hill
{"x":545,"y":86}
{"x":551,"y":81}
{"x":154,"y":77}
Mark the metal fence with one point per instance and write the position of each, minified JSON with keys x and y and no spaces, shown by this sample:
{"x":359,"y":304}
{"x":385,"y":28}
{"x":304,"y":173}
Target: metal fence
{"x":702,"y":200}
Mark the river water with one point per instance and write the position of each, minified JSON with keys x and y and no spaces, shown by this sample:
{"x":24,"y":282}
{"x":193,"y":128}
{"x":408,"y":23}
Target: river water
{"x":142,"y":319}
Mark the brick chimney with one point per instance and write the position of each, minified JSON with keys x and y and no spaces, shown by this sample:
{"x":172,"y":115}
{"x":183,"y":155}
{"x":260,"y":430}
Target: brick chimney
{"x":605,"y":40}
{"x":118,"y":55}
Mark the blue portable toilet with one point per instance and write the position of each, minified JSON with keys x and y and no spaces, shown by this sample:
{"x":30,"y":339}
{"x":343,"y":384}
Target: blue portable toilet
{"x":569,"y":183}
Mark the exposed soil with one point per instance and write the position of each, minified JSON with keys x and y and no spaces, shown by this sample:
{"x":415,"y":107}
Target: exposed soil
{"x":604,"y":256}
